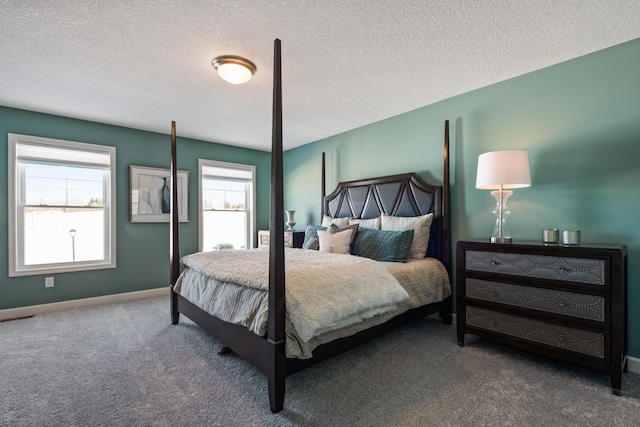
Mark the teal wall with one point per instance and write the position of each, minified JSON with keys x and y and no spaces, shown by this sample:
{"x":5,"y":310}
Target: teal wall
{"x":579,"y":121}
{"x":142,"y":248}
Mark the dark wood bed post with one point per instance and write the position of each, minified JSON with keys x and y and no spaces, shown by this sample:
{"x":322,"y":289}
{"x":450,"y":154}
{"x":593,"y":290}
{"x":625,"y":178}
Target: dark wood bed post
{"x":445,"y":314}
{"x":446,"y":203}
{"x":276,"y":320}
{"x":324,"y":189}
{"x":174,"y":241}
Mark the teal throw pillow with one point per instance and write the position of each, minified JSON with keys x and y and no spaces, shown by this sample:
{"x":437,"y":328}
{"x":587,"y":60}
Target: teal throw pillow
{"x":311,"y":240}
{"x":383,"y":245}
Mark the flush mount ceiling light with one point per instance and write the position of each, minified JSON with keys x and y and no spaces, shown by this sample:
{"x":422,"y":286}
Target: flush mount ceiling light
{"x":234,"y":69}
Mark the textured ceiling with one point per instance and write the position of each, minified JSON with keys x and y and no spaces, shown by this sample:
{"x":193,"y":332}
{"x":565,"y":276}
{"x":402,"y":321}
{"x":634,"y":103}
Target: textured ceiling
{"x":346,"y":63}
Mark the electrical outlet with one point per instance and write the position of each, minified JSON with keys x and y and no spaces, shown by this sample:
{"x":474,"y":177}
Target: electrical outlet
{"x":48,"y":282}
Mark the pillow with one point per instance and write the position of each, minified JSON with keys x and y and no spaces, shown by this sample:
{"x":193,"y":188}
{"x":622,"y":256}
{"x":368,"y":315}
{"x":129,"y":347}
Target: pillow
{"x":340,"y":222}
{"x":373,"y":223}
{"x":383,"y":245}
{"x":311,"y":237}
{"x":421,"y":226}
{"x":338,"y":243}
{"x":333,"y":229}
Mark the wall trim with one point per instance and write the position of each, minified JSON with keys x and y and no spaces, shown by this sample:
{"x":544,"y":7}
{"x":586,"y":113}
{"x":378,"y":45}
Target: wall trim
{"x":32,"y":310}
{"x":633,"y":364}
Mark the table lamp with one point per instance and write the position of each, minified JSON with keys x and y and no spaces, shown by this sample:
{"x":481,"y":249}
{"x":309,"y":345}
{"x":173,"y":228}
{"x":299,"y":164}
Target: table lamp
{"x":501,"y":171}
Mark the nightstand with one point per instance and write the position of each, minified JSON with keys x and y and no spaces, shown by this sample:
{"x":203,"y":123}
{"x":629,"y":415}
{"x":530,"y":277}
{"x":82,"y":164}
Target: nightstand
{"x":562,"y":301}
{"x":292,"y":239}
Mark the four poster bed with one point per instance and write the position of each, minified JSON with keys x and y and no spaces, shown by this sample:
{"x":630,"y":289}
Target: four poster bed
{"x":382,"y":292}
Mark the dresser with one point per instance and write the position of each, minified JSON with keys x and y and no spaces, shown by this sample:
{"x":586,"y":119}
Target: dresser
{"x":562,"y":301}
{"x":292,"y":239}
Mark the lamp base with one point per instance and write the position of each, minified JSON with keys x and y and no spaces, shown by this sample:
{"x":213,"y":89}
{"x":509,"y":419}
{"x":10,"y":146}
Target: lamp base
{"x":501,"y":211}
{"x":501,"y":240}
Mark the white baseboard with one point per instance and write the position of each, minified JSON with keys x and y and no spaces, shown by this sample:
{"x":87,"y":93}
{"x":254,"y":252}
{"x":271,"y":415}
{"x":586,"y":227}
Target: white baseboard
{"x":633,"y":364}
{"x":32,"y":310}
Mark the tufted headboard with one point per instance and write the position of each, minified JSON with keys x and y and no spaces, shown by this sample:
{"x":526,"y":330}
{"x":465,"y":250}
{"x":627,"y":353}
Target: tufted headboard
{"x":399,"y":195}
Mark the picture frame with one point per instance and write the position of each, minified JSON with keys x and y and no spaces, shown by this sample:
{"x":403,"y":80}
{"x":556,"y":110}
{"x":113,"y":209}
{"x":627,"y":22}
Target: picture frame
{"x":150,"y":192}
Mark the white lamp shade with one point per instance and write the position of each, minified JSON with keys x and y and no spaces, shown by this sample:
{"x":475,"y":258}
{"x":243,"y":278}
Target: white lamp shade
{"x":503,"y":169}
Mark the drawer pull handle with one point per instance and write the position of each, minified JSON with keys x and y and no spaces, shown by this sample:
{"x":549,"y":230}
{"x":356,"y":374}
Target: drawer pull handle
{"x":495,"y":263}
{"x":561,"y":338}
{"x":494,"y":322}
{"x":565,"y":270}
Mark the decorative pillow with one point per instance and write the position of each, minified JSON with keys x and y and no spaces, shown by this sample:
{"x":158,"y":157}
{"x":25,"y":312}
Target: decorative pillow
{"x":311,"y":237}
{"x":353,"y":228}
{"x":421,"y":226}
{"x":340,"y":222}
{"x":373,"y":223}
{"x":383,"y":245}
{"x":338,"y":243}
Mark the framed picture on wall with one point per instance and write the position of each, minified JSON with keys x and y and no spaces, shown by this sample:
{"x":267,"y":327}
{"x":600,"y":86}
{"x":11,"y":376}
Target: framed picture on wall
{"x":151,"y":192}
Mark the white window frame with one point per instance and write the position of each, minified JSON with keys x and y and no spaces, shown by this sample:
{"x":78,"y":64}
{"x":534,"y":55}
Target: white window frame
{"x":251,"y":218}
{"x":16,"y":219}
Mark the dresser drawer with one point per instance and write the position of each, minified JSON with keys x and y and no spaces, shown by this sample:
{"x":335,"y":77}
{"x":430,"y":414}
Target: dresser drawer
{"x":573,"y":304}
{"x":591,"y":343}
{"x":263,"y":238}
{"x":292,"y":239}
{"x":563,"y":301}
{"x":567,"y":269}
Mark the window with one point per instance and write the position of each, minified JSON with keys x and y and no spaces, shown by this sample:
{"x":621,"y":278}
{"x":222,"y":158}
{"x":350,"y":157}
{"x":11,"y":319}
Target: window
{"x":226,"y":203}
{"x":61,"y":206}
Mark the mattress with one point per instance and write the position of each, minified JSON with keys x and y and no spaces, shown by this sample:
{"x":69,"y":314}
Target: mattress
{"x":425,"y":281}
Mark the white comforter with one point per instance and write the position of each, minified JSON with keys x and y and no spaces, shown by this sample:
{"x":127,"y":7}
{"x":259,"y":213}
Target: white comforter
{"x":324,"y":291}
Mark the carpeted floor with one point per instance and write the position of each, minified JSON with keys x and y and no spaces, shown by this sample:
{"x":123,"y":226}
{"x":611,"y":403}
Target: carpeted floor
{"x":126,"y":365}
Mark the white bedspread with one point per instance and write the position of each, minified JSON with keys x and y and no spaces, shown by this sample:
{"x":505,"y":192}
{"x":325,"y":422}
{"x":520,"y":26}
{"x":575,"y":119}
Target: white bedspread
{"x":324,"y":291}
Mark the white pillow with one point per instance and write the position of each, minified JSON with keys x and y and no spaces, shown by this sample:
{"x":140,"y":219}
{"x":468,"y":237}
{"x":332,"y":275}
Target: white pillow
{"x":421,"y":226}
{"x":340,"y":222}
{"x":338,"y":243}
{"x":373,"y":223}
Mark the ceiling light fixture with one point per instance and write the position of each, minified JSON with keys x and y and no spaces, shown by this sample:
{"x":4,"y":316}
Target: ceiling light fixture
{"x":234,"y":69}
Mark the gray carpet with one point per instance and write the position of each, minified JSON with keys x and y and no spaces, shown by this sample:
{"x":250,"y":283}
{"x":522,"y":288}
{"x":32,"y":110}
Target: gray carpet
{"x":126,"y":365}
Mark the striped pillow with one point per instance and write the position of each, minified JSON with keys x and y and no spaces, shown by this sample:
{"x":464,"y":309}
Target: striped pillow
{"x":383,"y":245}
{"x":333,"y":229}
{"x":311,"y":237}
